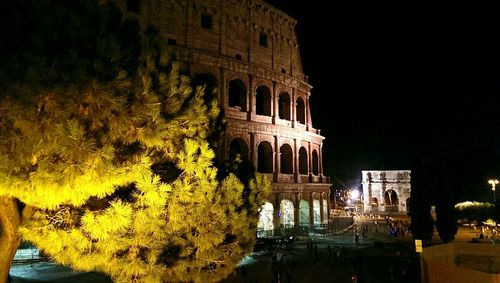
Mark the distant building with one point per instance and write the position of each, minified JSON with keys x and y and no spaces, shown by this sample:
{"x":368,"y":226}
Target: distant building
{"x":247,"y":53}
{"x":386,"y":191}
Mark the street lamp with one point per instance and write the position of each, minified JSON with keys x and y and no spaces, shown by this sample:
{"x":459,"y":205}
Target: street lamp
{"x":493,"y":183}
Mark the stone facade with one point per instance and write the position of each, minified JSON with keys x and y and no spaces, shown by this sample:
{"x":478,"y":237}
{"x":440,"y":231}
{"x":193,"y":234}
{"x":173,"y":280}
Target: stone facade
{"x":386,"y":191}
{"x":247,"y":52}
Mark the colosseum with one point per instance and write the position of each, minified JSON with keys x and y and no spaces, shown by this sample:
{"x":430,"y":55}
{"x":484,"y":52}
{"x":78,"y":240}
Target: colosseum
{"x":247,"y":52}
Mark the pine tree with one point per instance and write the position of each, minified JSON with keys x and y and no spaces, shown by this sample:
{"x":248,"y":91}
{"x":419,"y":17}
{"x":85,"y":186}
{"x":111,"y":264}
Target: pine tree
{"x":115,"y":174}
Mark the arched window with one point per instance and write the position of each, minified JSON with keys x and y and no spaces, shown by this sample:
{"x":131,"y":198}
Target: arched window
{"x":265,"y":158}
{"x":238,"y":148}
{"x":315,"y":163}
{"x":237,"y":95}
{"x":284,"y":106}
{"x":391,"y":201}
{"x":286,"y":159}
{"x":209,"y":81}
{"x":303,"y":161}
{"x":301,"y":111}
{"x":263,"y":101}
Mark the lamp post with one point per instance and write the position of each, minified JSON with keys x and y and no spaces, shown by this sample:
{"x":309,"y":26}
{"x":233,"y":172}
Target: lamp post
{"x":493,"y":183}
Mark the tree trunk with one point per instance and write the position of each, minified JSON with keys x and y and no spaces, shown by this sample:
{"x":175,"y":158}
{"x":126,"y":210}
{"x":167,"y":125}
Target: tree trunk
{"x":10,"y":220}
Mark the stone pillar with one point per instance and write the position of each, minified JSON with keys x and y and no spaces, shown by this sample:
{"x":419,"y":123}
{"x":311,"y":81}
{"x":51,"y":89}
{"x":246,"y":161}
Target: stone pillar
{"x":308,"y":113}
{"x":277,"y":159}
{"x":250,"y":31}
{"x":320,"y":160}
{"x":311,"y":210}
{"x":253,"y":151}
{"x":295,"y":162}
{"x":277,"y":208}
{"x":223,"y":30}
{"x":296,"y":210}
{"x":321,"y":214}
{"x":275,"y":108}
{"x":309,"y":161}
{"x":293,"y":109}
{"x":251,"y":98}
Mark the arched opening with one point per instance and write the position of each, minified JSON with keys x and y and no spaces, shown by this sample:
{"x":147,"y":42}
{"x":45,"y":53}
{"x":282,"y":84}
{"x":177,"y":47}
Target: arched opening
{"x":263,"y":101}
{"x":237,"y":95}
{"x":301,"y":111}
{"x":391,"y":201}
{"x":303,"y":161}
{"x":209,"y":81}
{"x":286,"y":213}
{"x":286,"y":159}
{"x":284,"y":106}
{"x":408,"y":205}
{"x":317,"y":211}
{"x":265,"y":158}
{"x":374,"y":204}
{"x":304,"y":213}
{"x":266,"y":217}
{"x":315,"y":163}
{"x":238,"y":149}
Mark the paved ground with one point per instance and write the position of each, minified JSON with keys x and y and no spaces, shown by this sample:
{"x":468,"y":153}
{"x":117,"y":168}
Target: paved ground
{"x":377,"y":258}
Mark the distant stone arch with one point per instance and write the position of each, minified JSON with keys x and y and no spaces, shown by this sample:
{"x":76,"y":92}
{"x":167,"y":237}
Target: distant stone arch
{"x":237,"y":95}
{"x":303,"y":161}
{"x":301,"y":111}
{"x":286,"y":159}
{"x":265,"y":157}
{"x":284,"y":106}
{"x":325,"y":211}
{"x":391,"y":201}
{"x":209,"y":81}
{"x":263,"y":101}
{"x":315,"y":163}
{"x":286,"y":213}
{"x":238,"y":148}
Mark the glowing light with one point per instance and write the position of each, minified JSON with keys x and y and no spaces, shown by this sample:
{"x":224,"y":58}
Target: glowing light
{"x":355,"y":194}
{"x":493,"y":183}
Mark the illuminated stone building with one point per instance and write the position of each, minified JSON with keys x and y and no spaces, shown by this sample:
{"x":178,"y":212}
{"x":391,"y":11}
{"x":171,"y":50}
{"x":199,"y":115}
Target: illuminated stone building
{"x":247,"y":52}
{"x":386,"y":191}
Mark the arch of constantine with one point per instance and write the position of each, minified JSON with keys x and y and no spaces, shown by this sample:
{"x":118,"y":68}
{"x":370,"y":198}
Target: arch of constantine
{"x":246,"y":52}
{"x":386,"y":191}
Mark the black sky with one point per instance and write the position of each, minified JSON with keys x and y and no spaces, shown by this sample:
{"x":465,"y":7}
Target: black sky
{"x":397,"y":80}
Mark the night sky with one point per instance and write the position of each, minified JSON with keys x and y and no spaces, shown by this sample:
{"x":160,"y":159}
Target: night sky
{"x":400,"y":81}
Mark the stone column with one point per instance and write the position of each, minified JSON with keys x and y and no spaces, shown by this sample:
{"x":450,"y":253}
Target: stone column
{"x":308,"y":113}
{"x":275,"y":108}
{"x":253,"y":151}
{"x":296,"y":210}
{"x":277,"y":208}
{"x":311,"y":210}
{"x":309,"y":161}
{"x":321,"y":214}
{"x":295,"y":162}
{"x":223,"y":30}
{"x":293,"y":109}
{"x":277,"y":159}
{"x":320,"y":160}
{"x":251,"y":98}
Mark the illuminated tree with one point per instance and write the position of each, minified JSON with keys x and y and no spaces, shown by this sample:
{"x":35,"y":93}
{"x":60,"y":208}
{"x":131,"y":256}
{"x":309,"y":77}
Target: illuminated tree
{"x":111,"y":171}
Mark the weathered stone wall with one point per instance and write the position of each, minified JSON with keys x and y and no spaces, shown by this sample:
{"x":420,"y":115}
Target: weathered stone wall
{"x":253,"y":46}
{"x":376,"y":184}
